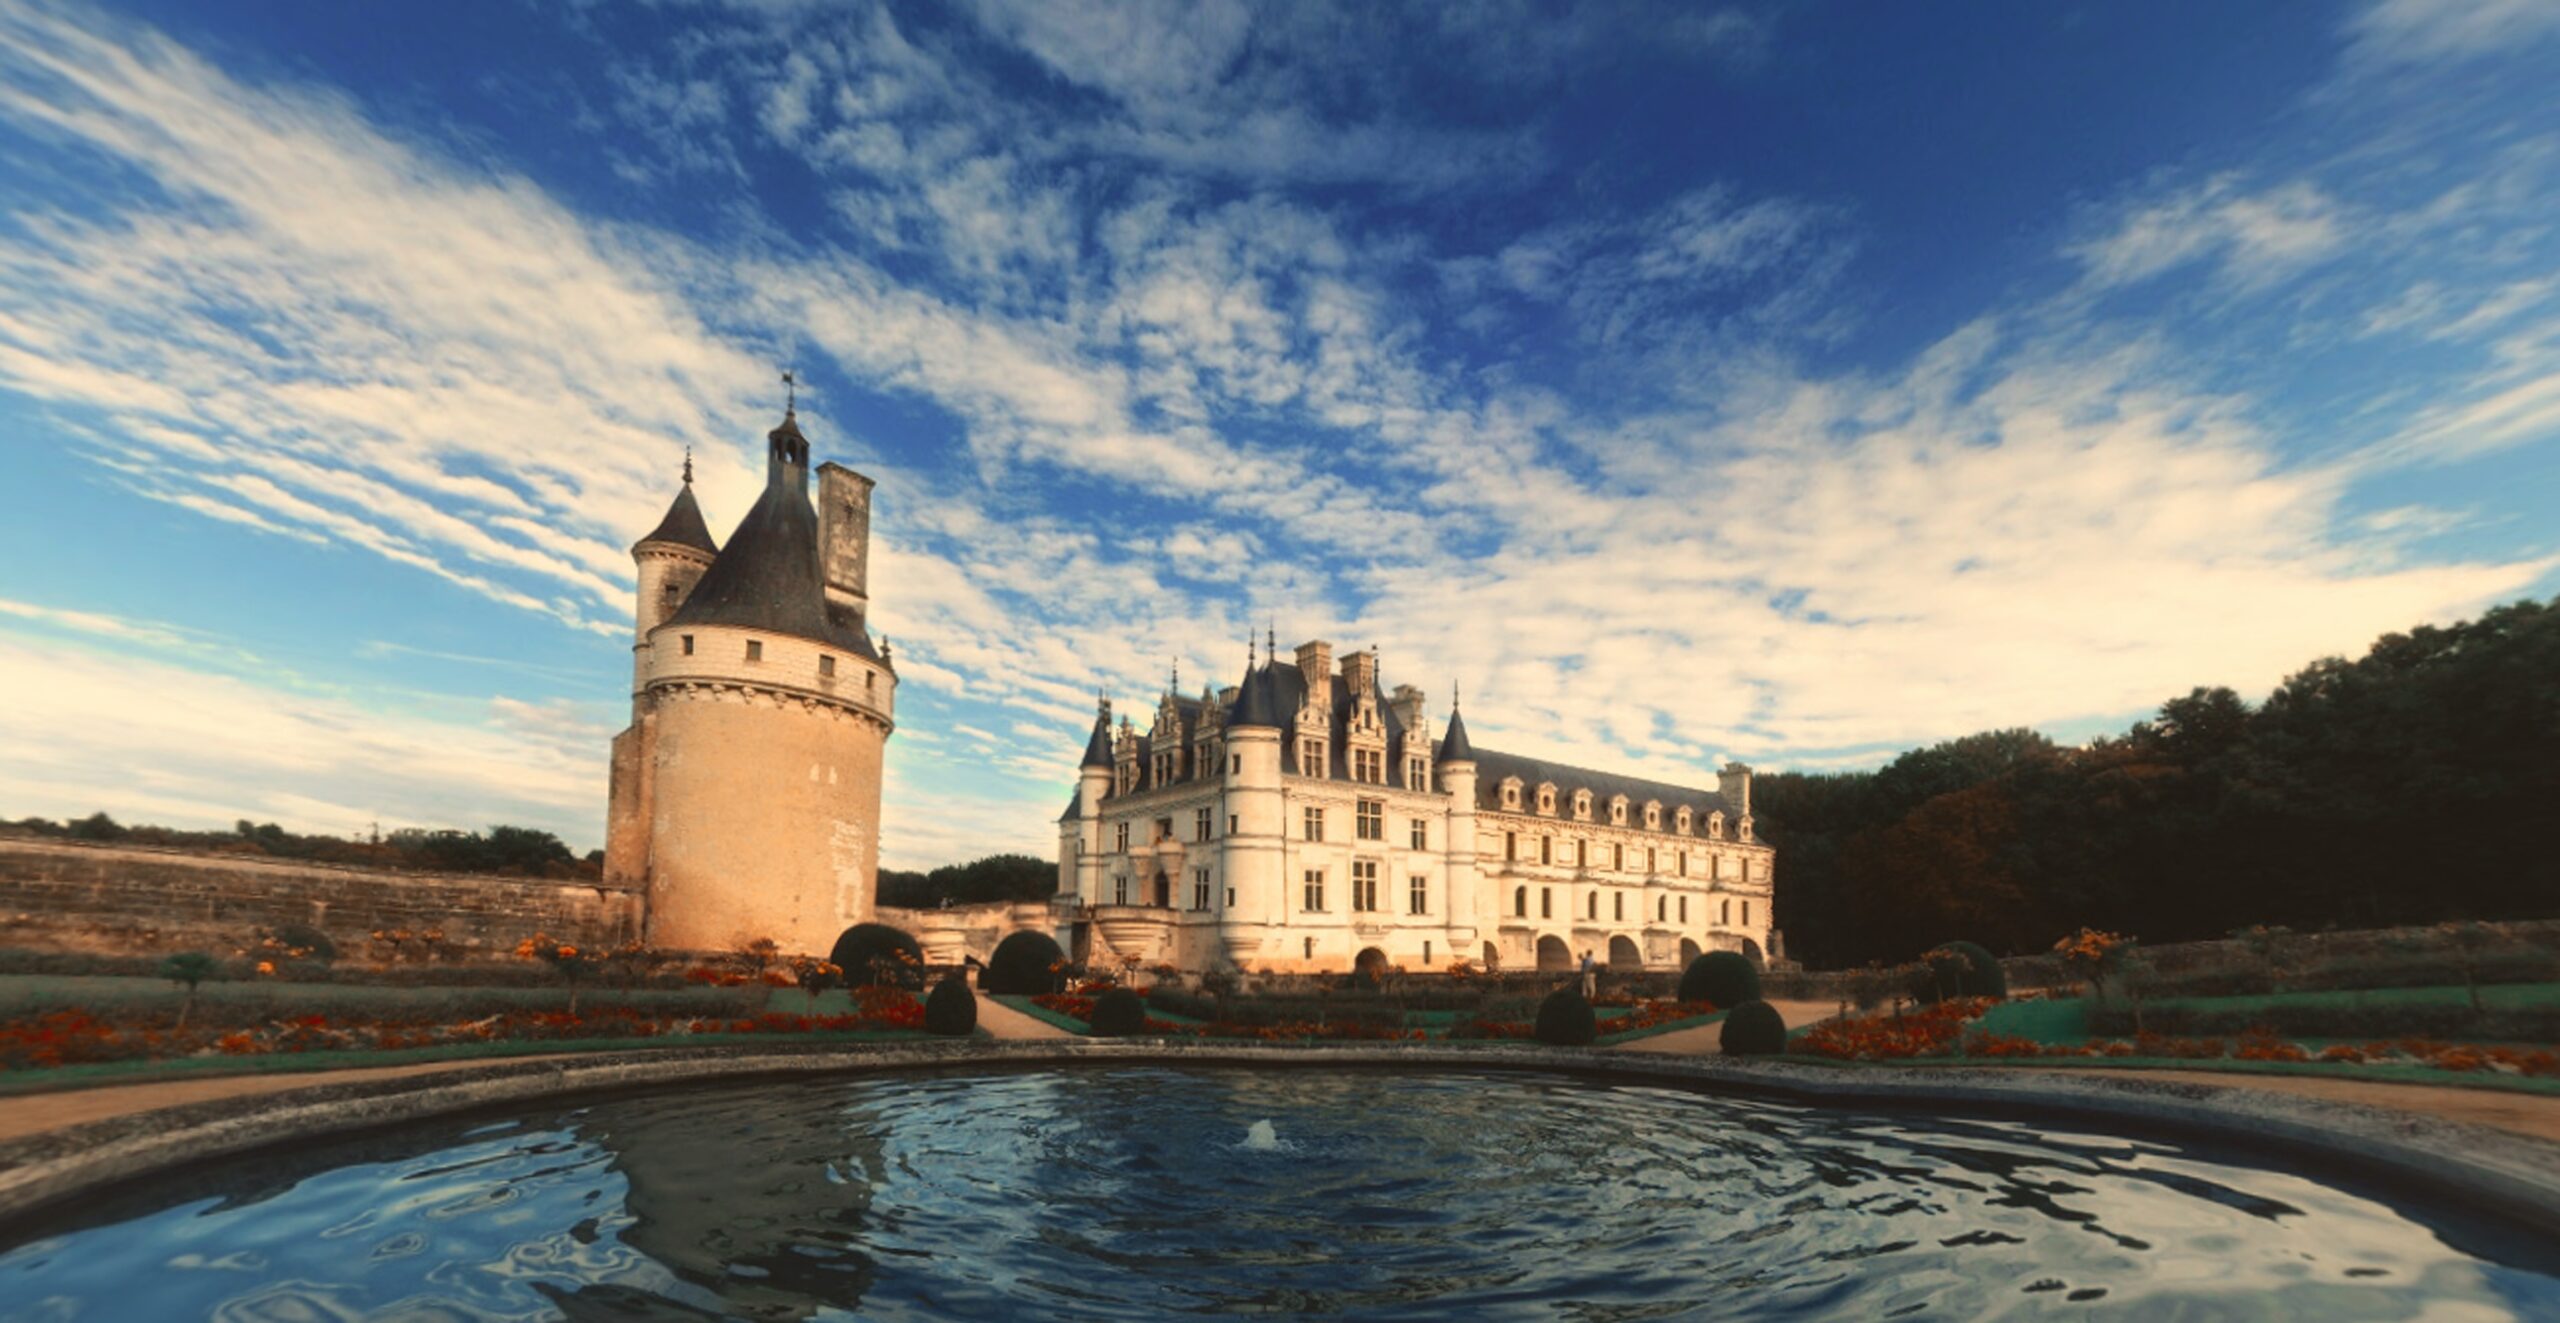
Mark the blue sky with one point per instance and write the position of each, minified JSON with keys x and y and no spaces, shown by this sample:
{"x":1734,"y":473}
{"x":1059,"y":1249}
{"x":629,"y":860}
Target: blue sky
{"x":1794,"y":382}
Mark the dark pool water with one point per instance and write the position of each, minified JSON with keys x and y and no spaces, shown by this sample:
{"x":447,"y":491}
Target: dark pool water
{"x":1123,"y":1193}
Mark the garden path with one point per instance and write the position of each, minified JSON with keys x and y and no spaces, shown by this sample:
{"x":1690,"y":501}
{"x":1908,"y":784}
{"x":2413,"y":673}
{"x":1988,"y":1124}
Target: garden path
{"x":2537,"y":1115}
{"x":1706,"y":1040}
{"x":35,"y":1113}
{"x":1002,"y":1021}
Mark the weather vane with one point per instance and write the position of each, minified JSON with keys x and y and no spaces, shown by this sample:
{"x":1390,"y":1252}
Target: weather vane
{"x":688,"y":466}
{"x":791,"y":391}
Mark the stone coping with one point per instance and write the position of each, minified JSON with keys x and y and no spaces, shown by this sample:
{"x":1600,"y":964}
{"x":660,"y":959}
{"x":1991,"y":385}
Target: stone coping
{"x":2492,"y":1171}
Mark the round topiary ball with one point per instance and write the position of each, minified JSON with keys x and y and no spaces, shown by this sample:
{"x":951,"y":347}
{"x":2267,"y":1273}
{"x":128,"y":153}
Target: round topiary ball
{"x":1754,"y":1029}
{"x":1720,"y":978}
{"x":1118,"y":1014}
{"x":952,"y":1010}
{"x":1021,"y":966}
{"x":1565,"y":1019}
{"x":877,"y":955}
{"x":1983,"y":976}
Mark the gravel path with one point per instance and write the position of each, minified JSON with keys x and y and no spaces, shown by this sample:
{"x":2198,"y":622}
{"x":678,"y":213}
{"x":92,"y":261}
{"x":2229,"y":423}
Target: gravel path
{"x":1002,"y":1021}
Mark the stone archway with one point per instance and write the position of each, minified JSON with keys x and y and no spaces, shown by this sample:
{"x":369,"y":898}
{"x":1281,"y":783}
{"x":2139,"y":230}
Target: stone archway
{"x":1751,"y":952}
{"x":1164,"y":890}
{"x":1492,"y":957}
{"x":1689,"y":951}
{"x":1624,"y":954}
{"x":1371,"y":961}
{"x":1554,"y":957}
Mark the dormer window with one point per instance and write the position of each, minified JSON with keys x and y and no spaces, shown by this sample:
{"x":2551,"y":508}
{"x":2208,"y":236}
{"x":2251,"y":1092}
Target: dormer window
{"x":1683,"y":821}
{"x":1547,"y":800}
{"x":1653,"y":815}
{"x":1417,"y":774}
{"x":1618,"y":810}
{"x":1582,"y":806}
{"x":1715,"y":825}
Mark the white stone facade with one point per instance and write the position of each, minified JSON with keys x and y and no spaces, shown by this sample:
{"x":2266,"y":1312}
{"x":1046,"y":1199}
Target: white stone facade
{"x":1342,"y":834}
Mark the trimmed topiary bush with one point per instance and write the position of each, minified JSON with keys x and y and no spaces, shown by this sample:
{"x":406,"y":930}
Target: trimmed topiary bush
{"x":877,"y":955}
{"x":1983,"y":977}
{"x":1021,"y":964}
{"x":1724,"y":979}
{"x":1565,"y":1019}
{"x":1118,"y":1014}
{"x":1753,"y":1029}
{"x":952,"y":1010}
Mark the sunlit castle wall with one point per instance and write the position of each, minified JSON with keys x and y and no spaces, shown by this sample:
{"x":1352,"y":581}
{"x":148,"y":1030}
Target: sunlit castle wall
{"x":747,"y":791}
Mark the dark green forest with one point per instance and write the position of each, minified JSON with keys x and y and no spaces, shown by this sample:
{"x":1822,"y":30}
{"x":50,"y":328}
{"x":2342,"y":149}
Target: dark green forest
{"x":508,"y":851}
{"x":996,"y":877}
{"x":2417,"y":783}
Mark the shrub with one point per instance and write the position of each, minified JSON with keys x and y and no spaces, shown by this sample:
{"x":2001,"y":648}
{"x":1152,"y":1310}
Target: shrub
{"x":1024,"y":964}
{"x":1754,"y":1029}
{"x":1118,"y":1014}
{"x":1721,"y":978}
{"x":1959,"y":969}
{"x":952,"y":1010}
{"x":877,"y":955}
{"x":1565,"y":1019}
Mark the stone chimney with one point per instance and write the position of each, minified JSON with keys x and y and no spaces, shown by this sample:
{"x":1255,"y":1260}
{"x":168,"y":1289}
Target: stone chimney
{"x":844,"y":535}
{"x":1407,"y":703}
{"x":1315,"y":662}
{"x":1360,"y":673}
{"x":1734,"y":783}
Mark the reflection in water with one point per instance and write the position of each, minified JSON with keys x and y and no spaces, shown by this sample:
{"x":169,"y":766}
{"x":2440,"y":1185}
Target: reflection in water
{"x":1112,"y":1193}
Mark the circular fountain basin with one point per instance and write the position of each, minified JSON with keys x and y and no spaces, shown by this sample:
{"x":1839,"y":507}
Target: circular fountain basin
{"x":1113,"y":1191}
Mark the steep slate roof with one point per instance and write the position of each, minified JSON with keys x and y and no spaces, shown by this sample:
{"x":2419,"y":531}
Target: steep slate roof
{"x":1285,"y":690}
{"x":1097,"y":750}
{"x":1454,"y":746}
{"x":683,"y":524}
{"x":1493,"y":768}
{"x":769,"y":577}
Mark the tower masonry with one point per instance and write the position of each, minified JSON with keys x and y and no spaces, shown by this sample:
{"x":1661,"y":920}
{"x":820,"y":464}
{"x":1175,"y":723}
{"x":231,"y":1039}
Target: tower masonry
{"x":746,"y":791}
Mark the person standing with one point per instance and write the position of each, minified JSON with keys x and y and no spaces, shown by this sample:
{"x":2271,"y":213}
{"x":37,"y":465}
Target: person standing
{"x":1590,"y":978}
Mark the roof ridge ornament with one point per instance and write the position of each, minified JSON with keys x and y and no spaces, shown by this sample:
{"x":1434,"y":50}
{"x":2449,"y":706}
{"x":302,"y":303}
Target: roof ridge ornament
{"x":688,"y":466}
{"x":790,"y":392}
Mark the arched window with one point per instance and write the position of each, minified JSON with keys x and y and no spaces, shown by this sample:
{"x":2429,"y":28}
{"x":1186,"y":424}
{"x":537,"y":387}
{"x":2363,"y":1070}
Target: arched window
{"x":1661,"y":909}
{"x":1520,"y":901}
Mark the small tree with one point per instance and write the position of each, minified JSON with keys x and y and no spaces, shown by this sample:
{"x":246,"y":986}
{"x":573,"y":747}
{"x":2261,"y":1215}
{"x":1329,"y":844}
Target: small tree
{"x":815,"y":976}
{"x":571,"y":964}
{"x":2093,"y":956}
{"x":755,"y":954}
{"x":188,"y":968}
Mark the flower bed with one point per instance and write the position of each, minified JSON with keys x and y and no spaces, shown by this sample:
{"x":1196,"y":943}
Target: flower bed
{"x":74,"y":1036}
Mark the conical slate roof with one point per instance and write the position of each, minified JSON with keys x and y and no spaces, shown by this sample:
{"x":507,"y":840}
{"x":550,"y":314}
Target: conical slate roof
{"x":683,"y":525}
{"x":1454,"y":746}
{"x":769,"y":577}
{"x":1254,"y":706}
{"x":1097,"y":750}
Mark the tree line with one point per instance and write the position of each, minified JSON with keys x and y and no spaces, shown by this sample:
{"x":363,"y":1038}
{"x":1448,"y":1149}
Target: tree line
{"x":996,"y":877}
{"x":504,"y":850}
{"x":2411,"y":785}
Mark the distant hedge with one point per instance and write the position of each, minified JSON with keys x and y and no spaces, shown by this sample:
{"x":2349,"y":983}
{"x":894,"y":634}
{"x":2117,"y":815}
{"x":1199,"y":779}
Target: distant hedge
{"x":952,"y":1010}
{"x":1118,"y":1014}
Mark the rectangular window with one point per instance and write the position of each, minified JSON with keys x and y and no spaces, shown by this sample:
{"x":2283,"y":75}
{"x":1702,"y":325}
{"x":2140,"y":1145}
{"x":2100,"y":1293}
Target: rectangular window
{"x":1164,"y":829}
{"x":1238,"y":766}
{"x":1311,"y":824}
{"x":1652,"y":861}
{"x":1124,"y":838}
{"x":1421,"y":833}
{"x":1426,"y":953}
{"x":1683,"y":857}
{"x":1370,"y":822}
{"x":1684,"y":909}
{"x":1546,"y":902}
{"x":1582,"y":854}
{"x":1618,"y":910}
{"x":1119,"y":891}
{"x":688,"y":645}
{"x":1231,"y":898}
{"x":1231,"y":824}
{"x":1315,"y":891}
{"x":1746,"y":914}
{"x":827,"y":666}
{"x":1311,"y":758}
{"x":1369,"y":765}
{"x":1199,"y":888}
{"x":1364,"y":884}
{"x":1618,"y":858}
{"x":1417,"y":897}
{"x":1510,"y":846}
{"x":1546,"y":849}
{"x":755,"y":649}
{"x":1200,"y":821}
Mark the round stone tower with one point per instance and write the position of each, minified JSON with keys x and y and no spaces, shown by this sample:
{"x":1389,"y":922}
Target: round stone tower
{"x":746,"y":793}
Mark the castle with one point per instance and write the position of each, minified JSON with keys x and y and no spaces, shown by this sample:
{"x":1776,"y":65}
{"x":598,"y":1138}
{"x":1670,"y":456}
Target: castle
{"x":1305,"y":821}
{"x":746,"y":792}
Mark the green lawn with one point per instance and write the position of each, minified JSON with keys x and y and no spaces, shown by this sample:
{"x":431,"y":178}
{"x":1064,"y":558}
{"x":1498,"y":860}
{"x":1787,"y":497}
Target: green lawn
{"x":34,"y":994}
{"x":2065,"y":1020}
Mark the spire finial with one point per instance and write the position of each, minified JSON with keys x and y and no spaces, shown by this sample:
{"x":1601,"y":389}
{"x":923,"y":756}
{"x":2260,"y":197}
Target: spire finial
{"x":1271,"y":640}
{"x":1249,"y":642}
{"x":1453,"y":695}
{"x":1173,"y":683}
{"x":688,"y":466}
{"x":791,"y":392}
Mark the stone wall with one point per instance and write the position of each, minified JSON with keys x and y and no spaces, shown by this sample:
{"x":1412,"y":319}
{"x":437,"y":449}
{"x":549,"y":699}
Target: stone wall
{"x":949,"y":933}
{"x":74,"y":896}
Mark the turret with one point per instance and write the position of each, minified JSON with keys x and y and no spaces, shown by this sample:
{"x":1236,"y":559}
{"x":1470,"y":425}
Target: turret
{"x":671,"y":558}
{"x":1251,"y":850}
{"x":1457,"y":773}
{"x":1733,"y":785}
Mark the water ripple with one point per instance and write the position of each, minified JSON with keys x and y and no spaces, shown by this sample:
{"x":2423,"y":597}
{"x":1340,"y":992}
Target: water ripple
{"x":1112,"y":1193}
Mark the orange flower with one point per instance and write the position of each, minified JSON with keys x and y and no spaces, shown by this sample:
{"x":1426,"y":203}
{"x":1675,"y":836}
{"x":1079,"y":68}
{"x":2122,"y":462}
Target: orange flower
{"x":266,"y":966}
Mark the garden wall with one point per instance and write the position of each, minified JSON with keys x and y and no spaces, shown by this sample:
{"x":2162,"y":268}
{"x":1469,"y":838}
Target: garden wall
{"x":120,"y":899}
